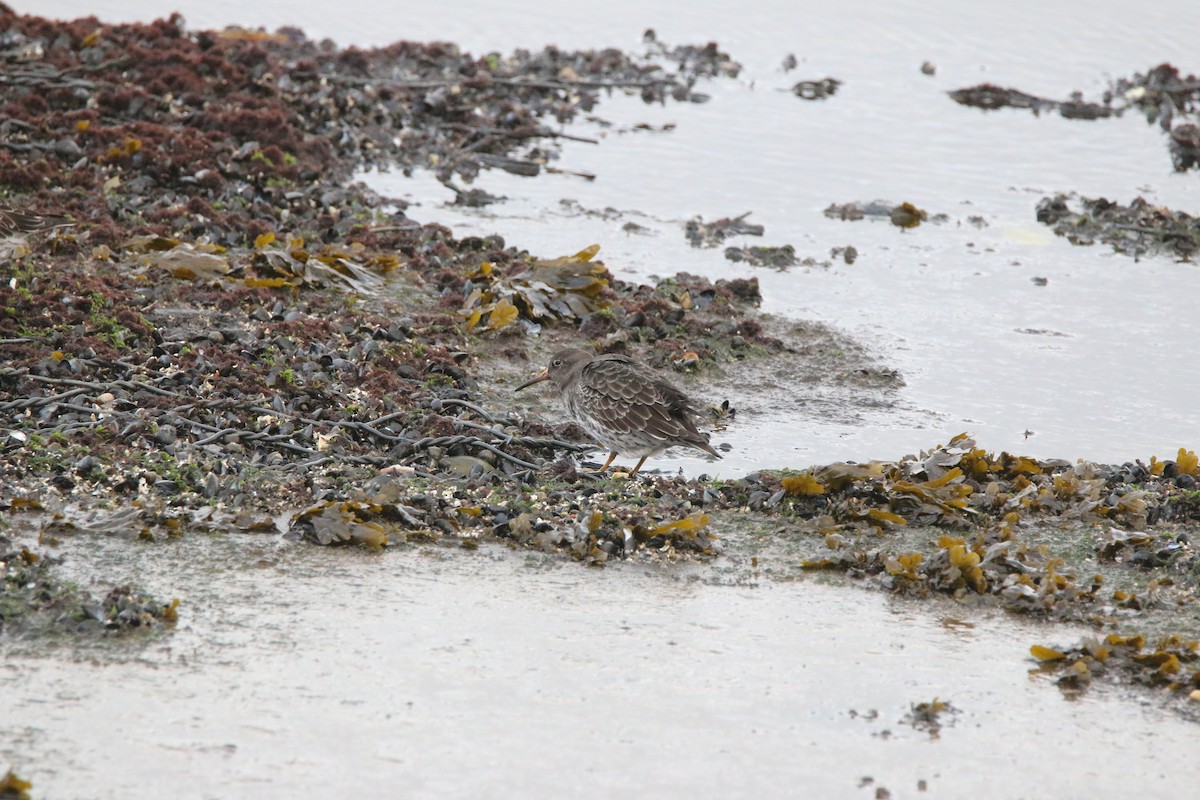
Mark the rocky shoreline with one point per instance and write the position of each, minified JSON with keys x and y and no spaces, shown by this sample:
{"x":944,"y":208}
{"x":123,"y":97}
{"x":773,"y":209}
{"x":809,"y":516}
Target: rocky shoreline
{"x":236,"y":337}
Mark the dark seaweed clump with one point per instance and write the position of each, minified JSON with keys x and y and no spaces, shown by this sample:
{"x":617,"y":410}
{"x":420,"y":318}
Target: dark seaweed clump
{"x":1166,"y":97}
{"x":1137,"y":229}
{"x":34,"y":601}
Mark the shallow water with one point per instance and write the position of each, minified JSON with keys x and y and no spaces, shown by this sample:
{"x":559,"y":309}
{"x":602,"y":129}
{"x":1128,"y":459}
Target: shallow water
{"x":431,"y":672}
{"x":1091,"y":364}
{"x":462,"y":674}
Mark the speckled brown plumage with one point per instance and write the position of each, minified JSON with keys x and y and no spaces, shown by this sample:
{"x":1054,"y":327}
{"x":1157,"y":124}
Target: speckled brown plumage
{"x":16,"y":225}
{"x":15,"y":222}
{"x":624,"y":406}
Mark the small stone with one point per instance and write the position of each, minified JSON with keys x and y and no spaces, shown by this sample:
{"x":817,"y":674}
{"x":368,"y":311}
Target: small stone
{"x":166,"y":434}
{"x":87,"y":463}
{"x":67,"y":148}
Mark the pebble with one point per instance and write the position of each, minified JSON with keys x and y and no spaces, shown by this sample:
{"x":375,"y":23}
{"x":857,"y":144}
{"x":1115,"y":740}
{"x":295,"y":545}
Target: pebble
{"x":166,"y":434}
{"x":87,"y":463}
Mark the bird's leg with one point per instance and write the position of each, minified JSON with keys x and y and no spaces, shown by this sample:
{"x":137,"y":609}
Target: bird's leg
{"x":611,"y":456}
{"x":639,"y":466}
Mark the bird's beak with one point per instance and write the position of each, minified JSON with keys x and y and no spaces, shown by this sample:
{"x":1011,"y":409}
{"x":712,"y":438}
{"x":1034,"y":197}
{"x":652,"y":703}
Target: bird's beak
{"x":544,"y":375}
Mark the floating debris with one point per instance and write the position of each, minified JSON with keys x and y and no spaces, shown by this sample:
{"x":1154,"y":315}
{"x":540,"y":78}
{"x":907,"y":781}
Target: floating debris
{"x":821,"y":89}
{"x":1162,"y":94}
{"x":849,"y":253}
{"x":780,"y":258}
{"x":1137,"y":229}
{"x":906,"y":215}
{"x":1161,"y":90}
{"x":1185,"y":146}
{"x":902,"y":215}
{"x":990,"y":97}
{"x":710,"y":234}
{"x":931,"y":716}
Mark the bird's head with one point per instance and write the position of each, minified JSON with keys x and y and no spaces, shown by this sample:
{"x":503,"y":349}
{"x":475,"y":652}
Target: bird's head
{"x":564,"y":369}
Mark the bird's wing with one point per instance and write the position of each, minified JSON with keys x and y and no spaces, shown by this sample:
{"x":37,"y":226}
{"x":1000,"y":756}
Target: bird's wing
{"x":14,"y":221}
{"x":629,"y":399}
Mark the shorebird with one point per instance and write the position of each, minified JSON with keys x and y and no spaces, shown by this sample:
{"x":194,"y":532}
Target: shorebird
{"x":16,"y":224}
{"x":623,"y":405}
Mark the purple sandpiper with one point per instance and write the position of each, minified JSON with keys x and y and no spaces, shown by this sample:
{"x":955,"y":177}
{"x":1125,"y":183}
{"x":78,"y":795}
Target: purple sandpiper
{"x":623,"y":405}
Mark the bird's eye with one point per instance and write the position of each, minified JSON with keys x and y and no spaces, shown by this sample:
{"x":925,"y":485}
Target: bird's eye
{"x":557,"y":362}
